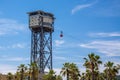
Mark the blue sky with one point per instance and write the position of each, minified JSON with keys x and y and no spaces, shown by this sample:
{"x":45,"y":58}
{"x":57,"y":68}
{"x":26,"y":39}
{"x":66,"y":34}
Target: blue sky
{"x":87,"y":25}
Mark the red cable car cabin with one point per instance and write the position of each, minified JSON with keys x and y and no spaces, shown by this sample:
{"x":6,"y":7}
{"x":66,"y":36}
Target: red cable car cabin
{"x":61,"y":35}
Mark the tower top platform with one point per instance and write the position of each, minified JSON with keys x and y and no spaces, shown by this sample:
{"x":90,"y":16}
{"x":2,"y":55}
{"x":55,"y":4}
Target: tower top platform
{"x":40,"y":19}
{"x":41,"y":13}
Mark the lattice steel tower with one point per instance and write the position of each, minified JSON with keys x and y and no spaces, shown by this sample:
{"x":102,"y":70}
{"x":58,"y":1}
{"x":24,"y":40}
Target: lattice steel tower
{"x":41,"y":25}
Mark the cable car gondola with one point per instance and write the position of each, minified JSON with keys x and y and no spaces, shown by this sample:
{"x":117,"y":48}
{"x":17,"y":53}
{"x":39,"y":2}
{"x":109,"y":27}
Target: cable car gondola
{"x":61,"y":34}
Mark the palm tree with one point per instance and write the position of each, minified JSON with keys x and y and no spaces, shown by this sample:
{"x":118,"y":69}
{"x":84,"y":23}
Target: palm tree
{"x":98,"y":75}
{"x":101,"y":76}
{"x":59,"y":77}
{"x":92,"y":64}
{"x":66,"y":70}
{"x":33,"y":71}
{"x":71,"y":71}
{"x":111,"y":70}
{"x":17,"y":76}
{"x":50,"y":76}
{"x":74,"y":72}
{"x":88,"y":75}
{"x":22,"y":69}
{"x":82,"y":76}
{"x":9,"y":76}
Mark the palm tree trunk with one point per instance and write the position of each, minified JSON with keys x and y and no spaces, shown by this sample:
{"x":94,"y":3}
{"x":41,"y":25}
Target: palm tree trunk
{"x":93,"y":78}
{"x":22,"y":74}
{"x":67,"y":74}
{"x":29,"y":76}
{"x":33,"y":74}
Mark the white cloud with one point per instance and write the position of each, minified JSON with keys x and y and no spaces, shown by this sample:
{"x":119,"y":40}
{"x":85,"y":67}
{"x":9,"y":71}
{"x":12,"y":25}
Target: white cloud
{"x":59,"y":58}
{"x":111,"y":8}
{"x":57,"y":70}
{"x":17,"y":59}
{"x":83,"y":6}
{"x":6,"y":58}
{"x":9,"y":26}
{"x":5,"y":68}
{"x":13,"y":46}
{"x":19,"y":45}
{"x":110,"y":48}
{"x":59,"y":42}
{"x":103,"y":34}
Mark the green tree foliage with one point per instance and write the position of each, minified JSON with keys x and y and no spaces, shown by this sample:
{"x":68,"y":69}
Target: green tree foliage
{"x":92,"y":66}
{"x":111,"y":70}
{"x":66,"y":70}
{"x":71,"y":71}
{"x":22,"y":69}
{"x":59,"y":77}
{"x":9,"y":76}
{"x":33,"y":71}
{"x":17,"y":76}
{"x":51,"y":76}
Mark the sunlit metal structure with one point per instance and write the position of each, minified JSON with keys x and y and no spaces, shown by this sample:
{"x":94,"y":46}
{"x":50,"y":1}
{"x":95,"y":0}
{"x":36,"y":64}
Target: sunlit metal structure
{"x":41,"y":25}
